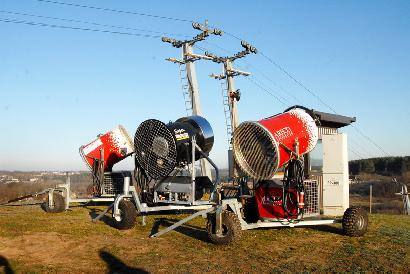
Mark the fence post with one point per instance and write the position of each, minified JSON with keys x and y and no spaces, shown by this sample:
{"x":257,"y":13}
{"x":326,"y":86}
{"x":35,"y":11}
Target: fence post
{"x":371,"y":196}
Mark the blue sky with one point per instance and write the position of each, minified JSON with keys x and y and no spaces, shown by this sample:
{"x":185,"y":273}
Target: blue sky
{"x":59,"y":88}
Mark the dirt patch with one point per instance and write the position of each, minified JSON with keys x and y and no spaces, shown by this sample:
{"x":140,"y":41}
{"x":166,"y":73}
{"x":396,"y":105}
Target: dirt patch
{"x":53,"y":249}
{"x":38,"y":247}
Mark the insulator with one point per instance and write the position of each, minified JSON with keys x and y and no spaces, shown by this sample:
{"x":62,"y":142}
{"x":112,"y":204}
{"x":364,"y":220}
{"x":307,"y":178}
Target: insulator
{"x":244,"y":44}
{"x":253,"y":49}
{"x":217,"y":32}
{"x":196,"y":26}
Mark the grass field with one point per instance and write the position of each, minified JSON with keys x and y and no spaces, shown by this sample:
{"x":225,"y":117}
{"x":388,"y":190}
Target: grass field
{"x":34,"y":241}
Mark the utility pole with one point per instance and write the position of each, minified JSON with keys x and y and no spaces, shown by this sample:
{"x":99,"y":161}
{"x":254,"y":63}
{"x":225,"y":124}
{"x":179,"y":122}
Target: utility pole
{"x":190,"y":88}
{"x":232,"y":95}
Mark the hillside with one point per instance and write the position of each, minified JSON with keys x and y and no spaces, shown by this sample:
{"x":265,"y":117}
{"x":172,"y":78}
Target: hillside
{"x":34,"y":241}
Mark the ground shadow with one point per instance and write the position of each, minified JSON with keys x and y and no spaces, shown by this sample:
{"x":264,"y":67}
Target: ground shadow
{"x":188,"y":230}
{"x":93,"y":212}
{"x":115,"y":265}
{"x":4,"y":263}
{"x":327,"y":228}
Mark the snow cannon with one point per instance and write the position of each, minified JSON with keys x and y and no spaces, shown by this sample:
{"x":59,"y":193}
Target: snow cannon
{"x":262,"y":147}
{"x":160,"y":147}
{"x":108,"y":149}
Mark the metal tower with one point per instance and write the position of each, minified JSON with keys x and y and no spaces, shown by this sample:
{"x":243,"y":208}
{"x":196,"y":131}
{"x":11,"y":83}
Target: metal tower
{"x":189,"y":81}
{"x":232,"y":95}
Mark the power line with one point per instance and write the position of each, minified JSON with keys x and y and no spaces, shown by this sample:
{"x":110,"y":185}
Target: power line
{"x":260,"y":72}
{"x":116,"y":10}
{"x":253,"y":79}
{"x":183,"y":20}
{"x":297,"y":82}
{"x":219,"y":47}
{"x":356,"y":153}
{"x":259,"y":85}
{"x":297,"y":100}
{"x":323,"y":102}
{"x":114,"y":26}
{"x":286,"y":101}
{"x":278,"y":94}
{"x":283,"y":70}
{"x":362,"y":148}
{"x":228,"y":33}
{"x":354,"y":127}
{"x":370,"y":140}
{"x":233,"y":35}
{"x":200,"y":48}
{"x":41,"y":24}
{"x":266,"y":90}
{"x":356,"y":148}
{"x":88,"y":22}
{"x":288,"y":74}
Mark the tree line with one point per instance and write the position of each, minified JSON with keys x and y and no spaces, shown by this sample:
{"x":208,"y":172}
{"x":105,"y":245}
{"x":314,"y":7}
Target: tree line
{"x":387,"y":166}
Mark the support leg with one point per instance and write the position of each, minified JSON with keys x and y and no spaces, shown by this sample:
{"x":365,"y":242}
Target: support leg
{"x":183,"y":221}
{"x":102,"y":213}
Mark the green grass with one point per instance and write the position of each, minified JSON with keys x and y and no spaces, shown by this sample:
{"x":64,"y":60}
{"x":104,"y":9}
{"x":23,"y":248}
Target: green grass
{"x":36,"y":242}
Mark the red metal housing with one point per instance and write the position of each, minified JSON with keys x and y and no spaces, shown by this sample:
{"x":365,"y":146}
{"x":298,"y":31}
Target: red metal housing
{"x":110,"y":147}
{"x":269,"y":200}
{"x":261,"y":148}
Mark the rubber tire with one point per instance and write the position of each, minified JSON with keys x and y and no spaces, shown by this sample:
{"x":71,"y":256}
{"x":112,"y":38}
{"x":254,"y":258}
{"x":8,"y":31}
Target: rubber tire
{"x":128,"y":215}
{"x":230,"y":224}
{"x":355,"y":221}
{"x":59,"y":204}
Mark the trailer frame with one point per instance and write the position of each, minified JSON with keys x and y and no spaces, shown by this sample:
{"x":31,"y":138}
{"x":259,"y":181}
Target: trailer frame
{"x":65,"y":191}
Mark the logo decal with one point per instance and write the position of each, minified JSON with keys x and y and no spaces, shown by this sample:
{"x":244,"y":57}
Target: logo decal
{"x":283,"y":133}
{"x":180,"y":134}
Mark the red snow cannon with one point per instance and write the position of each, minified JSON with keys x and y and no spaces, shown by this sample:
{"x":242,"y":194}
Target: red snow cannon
{"x":261,"y":148}
{"x":108,"y":149}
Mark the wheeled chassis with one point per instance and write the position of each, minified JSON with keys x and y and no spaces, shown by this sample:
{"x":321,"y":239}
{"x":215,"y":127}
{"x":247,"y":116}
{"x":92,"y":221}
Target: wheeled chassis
{"x":213,"y":207}
{"x":204,"y":210}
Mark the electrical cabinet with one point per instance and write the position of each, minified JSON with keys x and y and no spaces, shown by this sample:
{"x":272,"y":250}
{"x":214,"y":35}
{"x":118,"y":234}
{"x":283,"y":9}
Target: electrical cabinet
{"x":335,"y":174}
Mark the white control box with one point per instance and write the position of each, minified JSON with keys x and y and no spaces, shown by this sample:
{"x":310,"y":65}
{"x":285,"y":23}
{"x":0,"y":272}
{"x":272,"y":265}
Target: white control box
{"x":335,"y":174}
